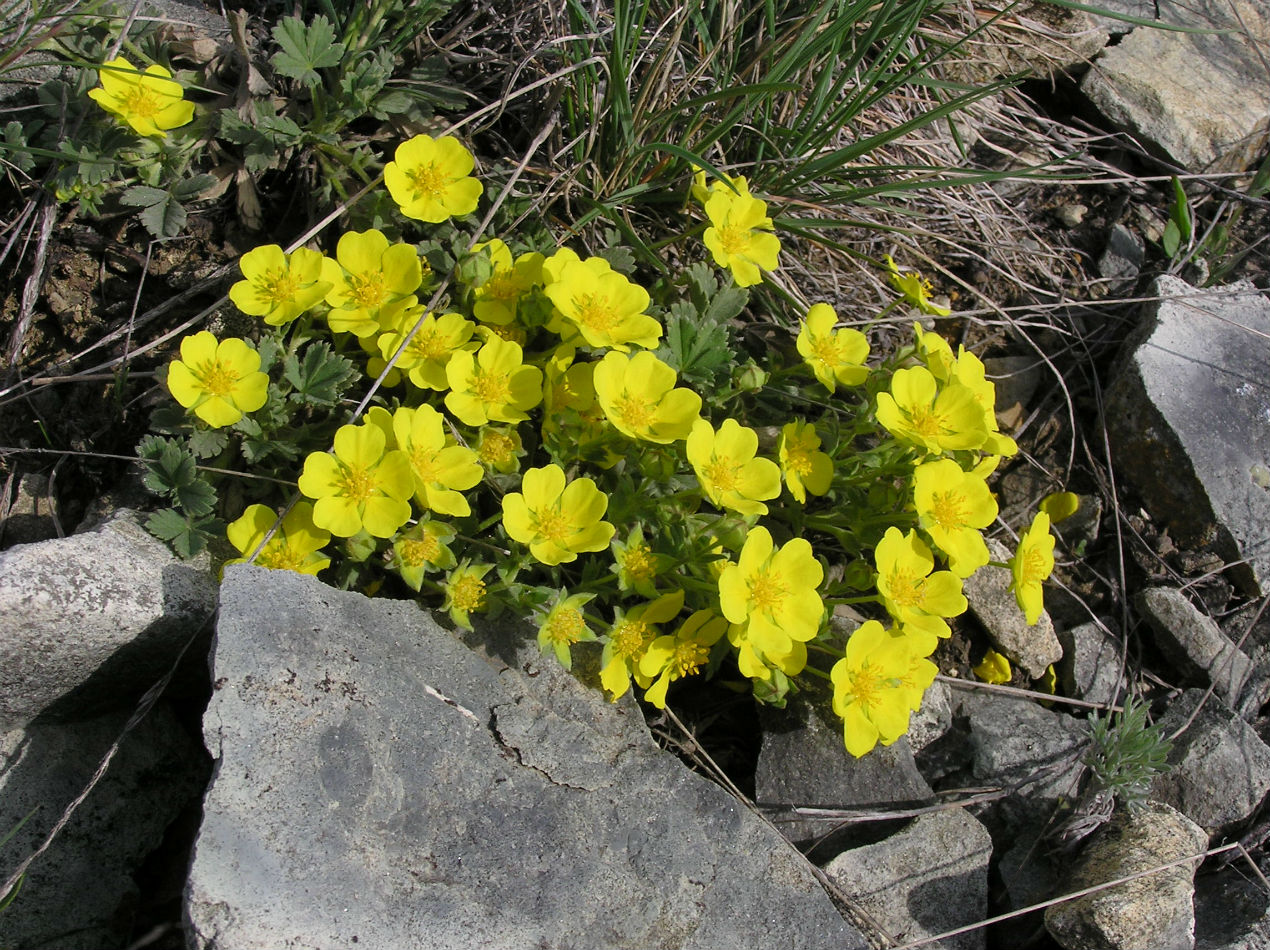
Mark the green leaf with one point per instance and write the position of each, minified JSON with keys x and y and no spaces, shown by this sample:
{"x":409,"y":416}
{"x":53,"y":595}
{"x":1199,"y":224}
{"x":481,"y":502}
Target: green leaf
{"x":1170,"y":239}
{"x":319,"y":376}
{"x":208,"y":443}
{"x":1180,"y":213}
{"x":162,"y":214}
{"x":187,"y":536}
{"x":305,"y":49}
{"x":697,"y":351}
{"x":726,"y":305}
{"x":15,"y":147}
{"x":169,"y":465}
{"x":196,"y":499}
{"x":192,"y":187}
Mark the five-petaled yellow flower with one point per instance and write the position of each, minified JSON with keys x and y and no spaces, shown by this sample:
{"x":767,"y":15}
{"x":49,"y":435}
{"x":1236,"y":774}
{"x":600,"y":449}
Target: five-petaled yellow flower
{"x":372,"y":282}
{"x":632,"y":634}
{"x":773,"y":591}
{"x":914,"y":289}
{"x":869,"y":692}
{"x":430,"y":179}
{"x":492,"y":385}
{"x":729,"y":473}
{"x":806,"y":468}
{"x":835,"y":356}
{"x":428,"y":353}
{"x":558,"y":522}
{"x":605,"y":306}
{"x":498,"y":298}
{"x":362,"y":487}
{"x":279,"y":286}
{"x":220,"y":381}
{"x":151,"y":101}
{"x":938,"y":420}
{"x":1032,"y":563}
{"x":441,"y":468}
{"x":952,"y":507}
{"x":740,"y":234}
{"x":295,"y":546}
{"x":639,"y":398}
{"x":683,"y":654}
{"x":916,"y":598}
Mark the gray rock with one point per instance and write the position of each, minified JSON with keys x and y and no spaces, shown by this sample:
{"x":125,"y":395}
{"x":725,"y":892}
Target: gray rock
{"x":1151,"y":913}
{"x":1230,"y":910}
{"x":1017,"y":740}
{"x":802,"y":762}
{"x":1122,"y":258}
{"x":378,"y":780}
{"x":1091,"y":666}
{"x":1033,"y":647}
{"x":1200,"y":98}
{"x":1071,"y":215}
{"x":1081,"y":528}
{"x":1219,"y":767}
{"x":80,"y":894}
{"x":1194,"y":643}
{"x":930,"y":878}
{"x":1016,"y":379}
{"x":1189,"y":420}
{"x":30,"y":516}
{"x":89,"y":622}
{"x":933,"y":719}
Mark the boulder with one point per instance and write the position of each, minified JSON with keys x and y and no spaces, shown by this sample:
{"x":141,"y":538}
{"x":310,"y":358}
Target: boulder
{"x":379,"y":782}
{"x":89,"y":622}
{"x":1031,"y":646}
{"x":1188,"y":417}
{"x":1150,"y":913}
{"x":1193,"y":642}
{"x":930,"y":878}
{"x":1091,"y":667}
{"x":1199,"y":98}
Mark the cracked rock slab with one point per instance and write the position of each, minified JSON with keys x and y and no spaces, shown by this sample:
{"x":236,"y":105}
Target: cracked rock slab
{"x":380,"y":783}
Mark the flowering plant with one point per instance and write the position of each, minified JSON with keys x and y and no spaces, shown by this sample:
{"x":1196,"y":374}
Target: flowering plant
{"x":549,"y":434}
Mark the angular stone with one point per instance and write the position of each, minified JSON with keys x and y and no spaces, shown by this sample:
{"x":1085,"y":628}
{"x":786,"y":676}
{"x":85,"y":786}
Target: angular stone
{"x":89,"y":622}
{"x":933,"y":719}
{"x":802,"y":762}
{"x":1016,"y":739}
{"x":1091,"y":667}
{"x":1200,"y":98}
{"x":80,"y":894}
{"x":1032,"y":646}
{"x":1151,"y":913}
{"x":1219,"y":769}
{"x":930,"y":878}
{"x":1189,"y":420}
{"x":378,"y":780}
{"x":1193,"y":642}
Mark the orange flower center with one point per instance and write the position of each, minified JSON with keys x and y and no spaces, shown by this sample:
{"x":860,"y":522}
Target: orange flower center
{"x":639,"y":563}
{"x":734,"y":240}
{"x":553,"y":524}
{"x":722,"y":474}
{"x":631,"y":639}
{"x":689,"y":657}
{"x":948,"y":510}
{"x":277,"y":287}
{"x":491,"y":387}
{"x":280,"y":557}
{"x":367,"y":289}
{"x":565,"y":625}
{"x":142,"y":102}
{"x":635,"y":412}
{"x":906,"y":588}
{"x":596,"y":312}
{"x":427,"y":180}
{"x":356,"y":484}
{"x":217,"y":378}
{"x":467,"y":593}
{"x":496,"y":448}
{"x":767,"y":592}
{"x":416,"y":552}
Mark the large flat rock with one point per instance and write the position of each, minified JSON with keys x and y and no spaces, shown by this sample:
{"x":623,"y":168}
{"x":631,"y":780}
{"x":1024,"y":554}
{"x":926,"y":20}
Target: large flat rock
{"x":1188,"y":415}
{"x":379,"y":782}
{"x":1199,"y":97}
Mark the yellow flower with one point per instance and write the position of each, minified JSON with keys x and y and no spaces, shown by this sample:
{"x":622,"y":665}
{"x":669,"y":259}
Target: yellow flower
{"x":492,"y":384}
{"x":279,"y":286}
{"x":670,"y":658}
{"x":806,"y":468}
{"x":952,"y":506}
{"x":430,"y":179}
{"x":497,"y":299}
{"x":993,"y":668}
{"x":499,"y":449}
{"x":916,"y":598}
{"x":834,"y":356}
{"x":869,"y":693}
{"x":638,"y":397}
{"x":636,"y":564}
{"x":729,"y":473}
{"x":372,"y":282}
{"x":441,"y":468}
{"x":421,"y":548}
{"x":934,"y":351}
{"x":606,"y":307}
{"x":151,"y":102}
{"x":1032,"y":563}
{"x":629,"y":639}
{"x":219,"y":381}
{"x":295,"y":546}
{"x":1060,"y":505}
{"x":774,"y":593}
{"x":558,"y":522}
{"x":361,"y":487}
{"x":564,"y":626}
{"x":428,"y":353}
{"x":739,"y":236}
{"x":915,"y":290}
{"x":756,"y":664}
{"x":920,"y":674}
{"x":942,"y":421}
{"x":968,"y":370}
{"x":466,"y":592}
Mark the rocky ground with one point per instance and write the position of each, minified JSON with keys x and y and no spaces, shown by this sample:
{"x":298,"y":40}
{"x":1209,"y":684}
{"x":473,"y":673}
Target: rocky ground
{"x":269,"y":762}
